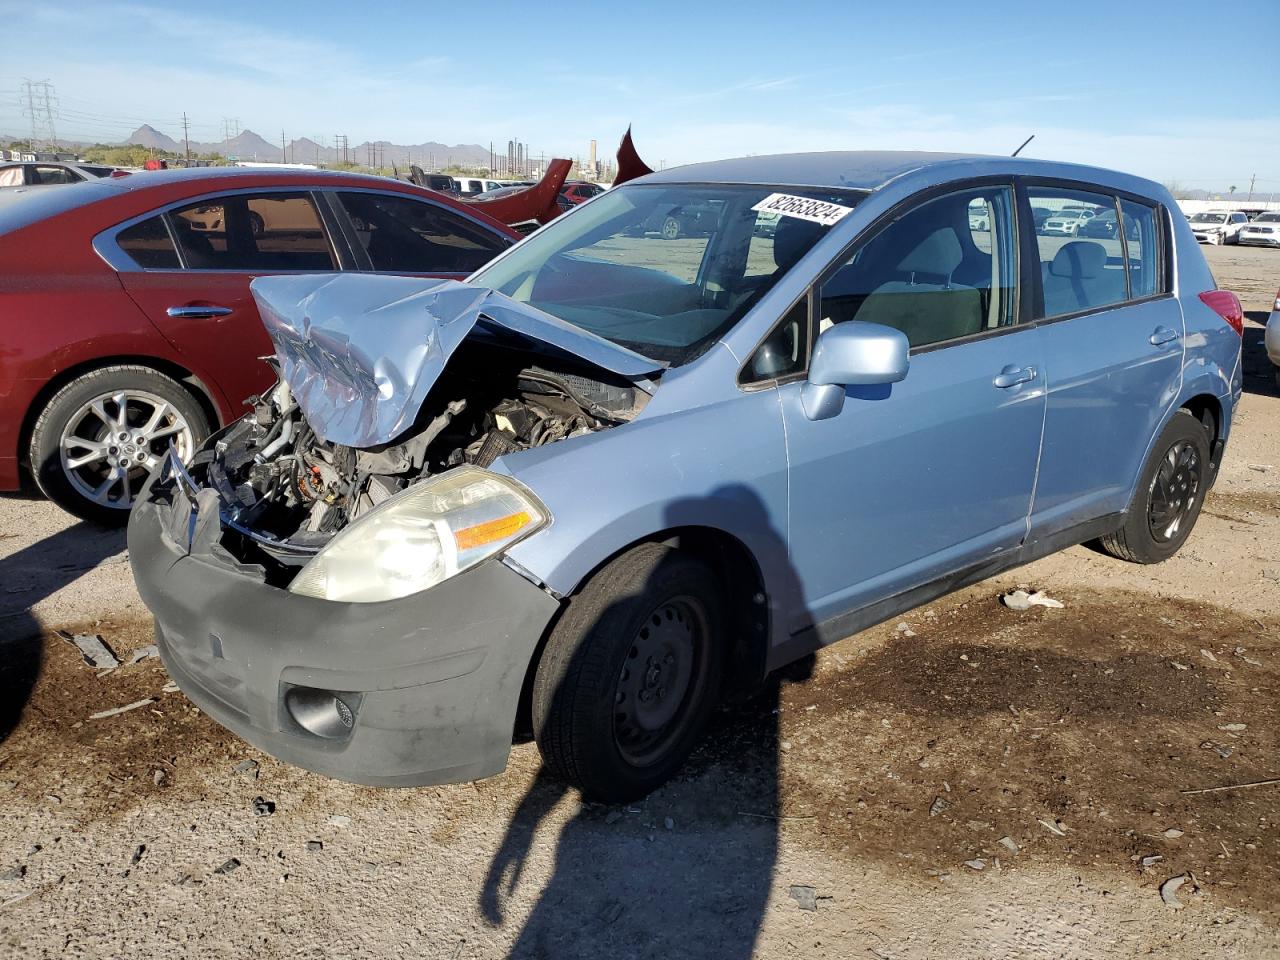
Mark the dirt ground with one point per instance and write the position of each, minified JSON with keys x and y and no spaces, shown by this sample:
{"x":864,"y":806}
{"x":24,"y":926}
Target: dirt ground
{"x":967,"y":781}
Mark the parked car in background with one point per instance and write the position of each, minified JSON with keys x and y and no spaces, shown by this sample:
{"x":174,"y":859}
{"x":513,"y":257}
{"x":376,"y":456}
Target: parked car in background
{"x":52,"y":173}
{"x":1218,"y":226}
{"x":580,"y":191}
{"x":637,"y":474}
{"x":1262,"y":231}
{"x":1104,"y":227}
{"x":473,"y":186}
{"x":1065,"y":222}
{"x":127,"y":321}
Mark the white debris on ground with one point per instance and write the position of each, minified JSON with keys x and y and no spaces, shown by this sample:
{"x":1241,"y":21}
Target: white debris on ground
{"x":1021,"y":600}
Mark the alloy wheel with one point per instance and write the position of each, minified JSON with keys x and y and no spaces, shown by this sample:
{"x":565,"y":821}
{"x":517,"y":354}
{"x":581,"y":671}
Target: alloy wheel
{"x":109,"y":445}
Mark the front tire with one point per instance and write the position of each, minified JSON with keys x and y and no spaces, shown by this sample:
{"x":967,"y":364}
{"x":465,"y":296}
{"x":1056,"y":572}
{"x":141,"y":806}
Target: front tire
{"x":671,"y":228}
{"x":1170,"y":494}
{"x":99,"y":436}
{"x":630,"y":674}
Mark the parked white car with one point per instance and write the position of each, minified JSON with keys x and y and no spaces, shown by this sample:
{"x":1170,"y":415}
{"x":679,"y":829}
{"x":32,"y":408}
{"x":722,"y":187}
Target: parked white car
{"x":1218,"y":226}
{"x":51,"y":173}
{"x":1271,"y":337}
{"x":1262,"y":231}
{"x":1066,"y":223}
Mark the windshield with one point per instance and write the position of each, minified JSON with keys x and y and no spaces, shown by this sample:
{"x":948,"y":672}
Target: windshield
{"x":1209,"y":218}
{"x":663,"y":269}
{"x":1268,"y":218}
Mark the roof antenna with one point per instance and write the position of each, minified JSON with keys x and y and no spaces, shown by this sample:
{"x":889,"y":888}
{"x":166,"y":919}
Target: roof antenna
{"x":1024,"y":143}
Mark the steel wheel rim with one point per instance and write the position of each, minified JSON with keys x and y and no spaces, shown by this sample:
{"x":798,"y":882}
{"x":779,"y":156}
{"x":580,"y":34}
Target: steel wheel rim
{"x":661,"y":679}
{"x":109,"y":445}
{"x":670,"y":228}
{"x":1173,"y":491}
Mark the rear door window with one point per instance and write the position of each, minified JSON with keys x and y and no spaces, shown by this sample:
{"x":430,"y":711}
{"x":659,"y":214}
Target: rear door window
{"x":11,"y":176}
{"x":262,"y":233}
{"x":404,"y":235}
{"x":1080,"y":268}
{"x":149,"y":245}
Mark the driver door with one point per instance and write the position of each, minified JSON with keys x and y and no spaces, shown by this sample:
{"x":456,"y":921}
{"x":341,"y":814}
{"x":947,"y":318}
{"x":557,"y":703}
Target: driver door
{"x":916,"y":480}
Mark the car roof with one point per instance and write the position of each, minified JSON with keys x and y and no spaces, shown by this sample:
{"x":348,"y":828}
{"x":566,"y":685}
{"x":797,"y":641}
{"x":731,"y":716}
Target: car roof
{"x":872,"y":169}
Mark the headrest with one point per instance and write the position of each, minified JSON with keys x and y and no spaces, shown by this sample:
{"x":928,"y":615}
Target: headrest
{"x":792,"y":239}
{"x":939,"y":253}
{"x":1079,"y":260}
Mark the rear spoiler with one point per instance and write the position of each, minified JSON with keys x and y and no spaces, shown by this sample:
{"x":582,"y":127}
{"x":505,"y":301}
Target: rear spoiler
{"x":535,"y":203}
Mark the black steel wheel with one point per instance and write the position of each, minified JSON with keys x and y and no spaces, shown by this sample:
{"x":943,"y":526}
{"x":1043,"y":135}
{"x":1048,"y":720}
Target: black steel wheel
{"x":630,"y":674}
{"x":1169,"y":495}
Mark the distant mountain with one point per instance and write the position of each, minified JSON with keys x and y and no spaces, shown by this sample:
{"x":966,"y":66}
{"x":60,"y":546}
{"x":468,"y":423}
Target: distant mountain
{"x":151,"y":138}
{"x":248,"y":145}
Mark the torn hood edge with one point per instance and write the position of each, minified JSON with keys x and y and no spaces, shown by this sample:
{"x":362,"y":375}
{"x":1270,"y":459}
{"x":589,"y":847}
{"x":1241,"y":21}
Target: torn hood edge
{"x":360,"y":352}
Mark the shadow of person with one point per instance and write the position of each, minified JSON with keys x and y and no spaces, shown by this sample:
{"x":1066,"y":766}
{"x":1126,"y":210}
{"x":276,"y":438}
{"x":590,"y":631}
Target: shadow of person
{"x":28,"y":576}
{"x":688,"y":870}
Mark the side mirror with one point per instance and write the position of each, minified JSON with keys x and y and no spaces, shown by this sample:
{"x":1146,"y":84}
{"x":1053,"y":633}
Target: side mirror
{"x":852,"y":354}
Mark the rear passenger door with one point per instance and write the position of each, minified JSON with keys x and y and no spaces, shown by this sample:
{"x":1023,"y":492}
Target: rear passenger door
{"x":1113,"y":354}
{"x":916,"y":480}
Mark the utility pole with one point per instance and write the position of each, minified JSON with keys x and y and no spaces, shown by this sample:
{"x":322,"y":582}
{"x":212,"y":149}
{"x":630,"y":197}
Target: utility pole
{"x":284,"y":155}
{"x":1252,"y":178}
{"x":186,"y":138}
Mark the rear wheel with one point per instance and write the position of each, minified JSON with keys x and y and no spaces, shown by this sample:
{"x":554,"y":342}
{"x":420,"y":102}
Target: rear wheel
{"x":630,"y":674}
{"x":99,"y":436}
{"x":671,"y":228}
{"x":1170,"y":494}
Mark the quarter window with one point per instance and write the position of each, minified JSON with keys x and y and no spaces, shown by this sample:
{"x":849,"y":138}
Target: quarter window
{"x":11,"y":176}
{"x":945,"y":270}
{"x":149,"y":245}
{"x":1142,"y":249}
{"x":253,"y":234}
{"x":402,"y":235}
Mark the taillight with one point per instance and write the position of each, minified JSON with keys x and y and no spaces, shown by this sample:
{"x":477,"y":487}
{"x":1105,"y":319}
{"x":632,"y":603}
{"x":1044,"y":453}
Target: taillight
{"x":1226,"y":305}
{"x":1276,"y":305}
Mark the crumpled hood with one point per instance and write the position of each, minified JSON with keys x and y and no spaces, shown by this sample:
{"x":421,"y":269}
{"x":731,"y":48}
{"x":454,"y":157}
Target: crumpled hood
{"x":360,"y":352}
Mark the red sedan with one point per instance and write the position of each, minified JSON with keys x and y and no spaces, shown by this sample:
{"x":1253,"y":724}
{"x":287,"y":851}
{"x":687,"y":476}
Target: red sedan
{"x":126,"y":321}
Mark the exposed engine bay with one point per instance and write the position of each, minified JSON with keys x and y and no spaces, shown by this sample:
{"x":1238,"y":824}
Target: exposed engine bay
{"x":285,"y":491}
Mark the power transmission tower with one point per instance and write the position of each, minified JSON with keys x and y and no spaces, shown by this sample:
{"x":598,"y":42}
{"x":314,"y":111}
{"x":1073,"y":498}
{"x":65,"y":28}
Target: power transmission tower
{"x":1252,"y":179}
{"x":41,"y":108}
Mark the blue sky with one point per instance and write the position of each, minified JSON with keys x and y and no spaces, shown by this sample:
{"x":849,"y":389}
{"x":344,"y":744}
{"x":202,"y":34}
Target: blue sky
{"x":1169,"y":90}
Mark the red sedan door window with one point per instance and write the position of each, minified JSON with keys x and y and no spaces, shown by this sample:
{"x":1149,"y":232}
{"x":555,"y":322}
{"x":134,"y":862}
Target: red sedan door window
{"x":198,"y":296}
{"x":403,"y":235}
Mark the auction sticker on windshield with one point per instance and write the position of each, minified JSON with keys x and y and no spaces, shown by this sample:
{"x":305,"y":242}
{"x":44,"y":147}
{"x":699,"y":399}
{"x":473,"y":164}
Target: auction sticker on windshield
{"x":803,"y":208}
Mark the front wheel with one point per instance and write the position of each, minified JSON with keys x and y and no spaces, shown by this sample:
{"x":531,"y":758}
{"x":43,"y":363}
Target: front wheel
{"x":99,"y":436}
{"x":671,"y":228}
{"x":1170,"y":494}
{"x":630,"y":674}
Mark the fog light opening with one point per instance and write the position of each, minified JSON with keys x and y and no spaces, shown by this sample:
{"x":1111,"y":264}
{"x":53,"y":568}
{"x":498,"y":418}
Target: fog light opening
{"x":321,"y":712}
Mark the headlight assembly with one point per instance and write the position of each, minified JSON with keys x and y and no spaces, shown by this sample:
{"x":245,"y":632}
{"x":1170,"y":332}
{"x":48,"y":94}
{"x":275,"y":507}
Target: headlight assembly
{"x":422,"y":536}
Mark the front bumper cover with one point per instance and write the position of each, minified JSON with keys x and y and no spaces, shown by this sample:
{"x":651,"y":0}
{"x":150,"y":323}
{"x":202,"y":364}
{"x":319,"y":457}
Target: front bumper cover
{"x":432,"y":680}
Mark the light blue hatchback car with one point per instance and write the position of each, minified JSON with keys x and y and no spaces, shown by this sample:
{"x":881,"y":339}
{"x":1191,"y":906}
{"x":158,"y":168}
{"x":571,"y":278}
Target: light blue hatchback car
{"x":622,"y":472}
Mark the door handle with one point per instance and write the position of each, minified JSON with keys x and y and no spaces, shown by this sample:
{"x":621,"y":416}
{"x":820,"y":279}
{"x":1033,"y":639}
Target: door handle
{"x":1162,"y":335}
{"x":1011,"y":376}
{"x":197,"y":313}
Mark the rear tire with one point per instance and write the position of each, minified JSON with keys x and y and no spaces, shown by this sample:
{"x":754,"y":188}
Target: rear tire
{"x":1170,"y":494}
{"x":671,"y":228}
{"x":104,"y":431}
{"x":630,"y":674}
